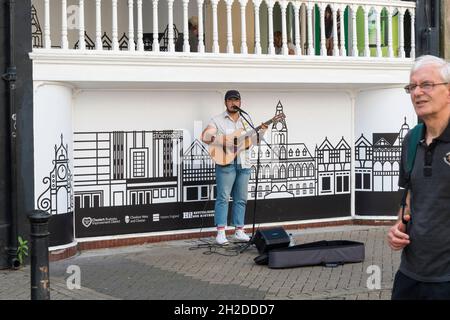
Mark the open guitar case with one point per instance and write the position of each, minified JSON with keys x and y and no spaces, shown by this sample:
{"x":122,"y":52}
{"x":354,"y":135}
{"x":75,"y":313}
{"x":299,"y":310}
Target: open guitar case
{"x":326,"y":253}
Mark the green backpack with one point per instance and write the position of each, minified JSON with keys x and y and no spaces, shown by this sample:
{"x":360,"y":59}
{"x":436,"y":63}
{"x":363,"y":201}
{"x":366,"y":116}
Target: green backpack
{"x":415,"y":136}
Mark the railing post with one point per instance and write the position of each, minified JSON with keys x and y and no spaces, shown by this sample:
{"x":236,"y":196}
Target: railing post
{"x":215,"y":46}
{"x":355,"y":52}
{"x":323,"y":47}
{"x":285,"y":49}
{"x":186,"y":46}
{"x":270,"y":11}
{"x":343,"y":51}
{"x":98,"y":25}
{"x":64,"y":41}
{"x":47,"y":39}
{"x":401,"y":15}
{"x":201,"y":44}
{"x":244,"y":48}
{"x":115,"y":38}
{"x":131,"y":43}
{"x":155,"y":44}
{"x":298,"y":47}
{"x":82,"y":41}
{"x":413,"y":34}
{"x":258,"y":49}
{"x":309,"y":9}
{"x":40,"y":279}
{"x":378,"y":30}
{"x":170,"y":45}
{"x":140,"y":41}
{"x":335,"y":34}
{"x":390,"y":34}
{"x":230,"y":48}
{"x":366,"y":32}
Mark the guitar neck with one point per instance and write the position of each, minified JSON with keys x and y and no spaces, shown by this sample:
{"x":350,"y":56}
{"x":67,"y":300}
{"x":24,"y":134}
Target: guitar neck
{"x":267,"y":123}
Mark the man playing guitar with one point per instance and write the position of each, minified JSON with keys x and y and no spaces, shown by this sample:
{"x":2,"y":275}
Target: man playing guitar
{"x":232,"y":167}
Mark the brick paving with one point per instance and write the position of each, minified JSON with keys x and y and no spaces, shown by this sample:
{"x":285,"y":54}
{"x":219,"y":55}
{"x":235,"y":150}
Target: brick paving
{"x":180,"y":270}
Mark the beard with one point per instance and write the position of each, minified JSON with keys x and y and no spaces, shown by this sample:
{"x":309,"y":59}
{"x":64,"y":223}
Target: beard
{"x":232,"y":110}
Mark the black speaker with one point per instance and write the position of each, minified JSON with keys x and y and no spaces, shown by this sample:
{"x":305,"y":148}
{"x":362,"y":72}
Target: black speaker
{"x":269,"y":239}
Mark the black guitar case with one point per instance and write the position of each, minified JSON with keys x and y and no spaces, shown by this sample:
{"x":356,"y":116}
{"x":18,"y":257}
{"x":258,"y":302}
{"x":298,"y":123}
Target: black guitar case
{"x":326,"y":253}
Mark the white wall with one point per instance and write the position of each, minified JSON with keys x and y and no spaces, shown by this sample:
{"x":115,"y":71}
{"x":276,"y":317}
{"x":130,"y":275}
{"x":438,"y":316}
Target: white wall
{"x":52,"y":118}
{"x":382,"y":110}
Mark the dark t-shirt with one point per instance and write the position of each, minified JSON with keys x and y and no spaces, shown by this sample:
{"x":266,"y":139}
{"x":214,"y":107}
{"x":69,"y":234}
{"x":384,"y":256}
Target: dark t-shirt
{"x":427,"y":257}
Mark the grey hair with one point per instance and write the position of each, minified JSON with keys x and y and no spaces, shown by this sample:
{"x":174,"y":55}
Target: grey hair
{"x":441,"y":64}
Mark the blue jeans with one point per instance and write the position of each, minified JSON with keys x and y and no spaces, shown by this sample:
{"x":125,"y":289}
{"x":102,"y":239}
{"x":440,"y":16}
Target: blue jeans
{"x":231,"y":180}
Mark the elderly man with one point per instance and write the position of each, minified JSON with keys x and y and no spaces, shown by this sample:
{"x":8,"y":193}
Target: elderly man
{"x":424,"y":233}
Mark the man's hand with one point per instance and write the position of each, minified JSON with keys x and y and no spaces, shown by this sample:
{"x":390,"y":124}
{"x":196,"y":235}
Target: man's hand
{"x":397,"y":236}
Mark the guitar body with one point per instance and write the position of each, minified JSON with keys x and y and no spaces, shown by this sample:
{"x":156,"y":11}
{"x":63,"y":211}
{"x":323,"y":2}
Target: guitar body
{"x":223,"y":155}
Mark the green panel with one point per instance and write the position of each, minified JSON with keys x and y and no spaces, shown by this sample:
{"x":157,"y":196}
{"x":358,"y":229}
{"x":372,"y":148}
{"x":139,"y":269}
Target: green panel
{"x":346,"y":28}
{"x":360,"y":31}
{"x":395,"y":43}
{"x":317,"y":30}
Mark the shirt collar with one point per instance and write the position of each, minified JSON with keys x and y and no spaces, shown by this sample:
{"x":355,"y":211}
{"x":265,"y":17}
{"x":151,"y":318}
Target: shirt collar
{"x":227,"y":115}
{"x":445,"y":136}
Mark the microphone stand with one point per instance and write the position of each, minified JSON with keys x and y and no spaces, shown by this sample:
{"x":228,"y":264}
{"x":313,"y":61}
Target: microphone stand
{"x":258,"y":140}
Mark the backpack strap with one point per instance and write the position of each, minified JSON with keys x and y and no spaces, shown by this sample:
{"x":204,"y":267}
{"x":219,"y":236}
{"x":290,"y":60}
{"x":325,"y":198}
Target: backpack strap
{"x":414,"y":139}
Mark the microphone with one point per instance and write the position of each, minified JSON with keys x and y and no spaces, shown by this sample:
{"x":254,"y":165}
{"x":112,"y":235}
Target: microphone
{"x":239,"y":109}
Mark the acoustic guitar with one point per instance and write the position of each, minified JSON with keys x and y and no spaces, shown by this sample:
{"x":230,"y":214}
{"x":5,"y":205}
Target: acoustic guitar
{"x":242,"y":140}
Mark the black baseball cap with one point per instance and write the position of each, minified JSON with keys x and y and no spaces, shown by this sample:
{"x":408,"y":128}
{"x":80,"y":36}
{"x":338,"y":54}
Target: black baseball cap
{"x":232,"y":94}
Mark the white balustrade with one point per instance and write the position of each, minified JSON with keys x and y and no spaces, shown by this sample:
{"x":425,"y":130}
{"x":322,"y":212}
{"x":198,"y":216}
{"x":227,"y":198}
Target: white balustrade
{"x":201,"y":44}
{"x":98,"y":25}
{"x":115,"y":37}
{"x":298,"y":48}
{"x":140,"y":42}
{"x":323,"y":47}
{"x":270,"y":9}
{"x":64,"y":41}
{"x":131,"y":43}
{"x":170,"y":45}
{"x":355,"y":52}
{"x":155,"y":44}
{"x":285,"y":49}
{"x":186,"y":46}
{"x":310,"y":7}
{"x":366,"y":32}
{"x":47,"y":39}
{"x":390,"y":34}
{"x":413,"y":34}
{"x":258,"y":49}
{"x":302,"y":28}
{"x":82,"y":40}
{"x":244,"y":49}
{"x":335,"y":34}
{"x":378,"y":31}
{"x":342,"y":50}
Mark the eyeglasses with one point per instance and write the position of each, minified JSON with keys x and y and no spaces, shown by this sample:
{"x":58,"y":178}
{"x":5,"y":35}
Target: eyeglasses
{"x":426,"y":86}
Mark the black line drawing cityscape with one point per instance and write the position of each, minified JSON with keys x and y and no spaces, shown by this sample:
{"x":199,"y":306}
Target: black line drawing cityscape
{"x":378,"y":162}
{"x":147,"y":167}
{"x":58,"y":197}
{"x":130,"y":168}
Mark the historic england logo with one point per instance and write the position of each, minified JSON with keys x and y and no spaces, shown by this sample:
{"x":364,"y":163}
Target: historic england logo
{"x":447,"y":158}
{"x":87,"y":221}
{"x":127,"y":219}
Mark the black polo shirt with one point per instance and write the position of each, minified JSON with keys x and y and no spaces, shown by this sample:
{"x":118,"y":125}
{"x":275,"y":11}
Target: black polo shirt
{"x":427,"y":257}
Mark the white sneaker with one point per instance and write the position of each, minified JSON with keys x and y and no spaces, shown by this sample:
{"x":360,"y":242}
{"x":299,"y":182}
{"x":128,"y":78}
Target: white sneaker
{"x":221,"y":238}
{"x":241,"y":236}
